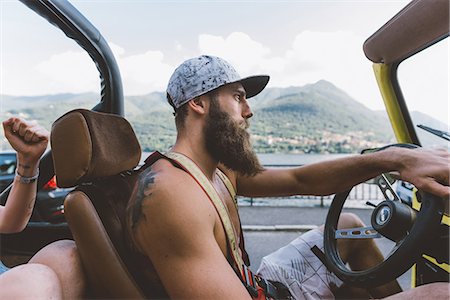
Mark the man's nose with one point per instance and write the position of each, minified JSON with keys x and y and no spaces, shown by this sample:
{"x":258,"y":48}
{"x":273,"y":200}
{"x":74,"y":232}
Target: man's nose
{"x":246,"y":111}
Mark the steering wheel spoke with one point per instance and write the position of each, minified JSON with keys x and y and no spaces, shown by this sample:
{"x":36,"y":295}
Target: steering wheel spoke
{"x":386,"y":188}
{"x":357,"y":233}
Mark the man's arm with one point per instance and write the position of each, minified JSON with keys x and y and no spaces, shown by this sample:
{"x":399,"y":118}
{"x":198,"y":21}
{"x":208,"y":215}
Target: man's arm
{"x":428,"y":170}
{"x":176,"y":231}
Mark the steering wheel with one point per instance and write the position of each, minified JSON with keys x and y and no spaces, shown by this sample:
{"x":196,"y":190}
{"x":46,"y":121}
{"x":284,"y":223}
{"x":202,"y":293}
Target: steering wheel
{"x":411,"y":231}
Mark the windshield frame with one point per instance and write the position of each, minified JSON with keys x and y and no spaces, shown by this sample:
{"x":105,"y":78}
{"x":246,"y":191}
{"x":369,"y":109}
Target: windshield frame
{"x":399,"y":39}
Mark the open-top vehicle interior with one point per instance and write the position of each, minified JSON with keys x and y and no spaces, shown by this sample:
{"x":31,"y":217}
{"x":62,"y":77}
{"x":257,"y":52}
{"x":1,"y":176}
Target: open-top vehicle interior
{"x":418,"y":27}
{"x":104,"y":154}
{"x":420,"y":232}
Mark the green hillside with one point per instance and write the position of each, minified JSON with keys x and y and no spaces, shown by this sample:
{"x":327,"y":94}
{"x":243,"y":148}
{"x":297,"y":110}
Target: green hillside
{"x":315,"y":118}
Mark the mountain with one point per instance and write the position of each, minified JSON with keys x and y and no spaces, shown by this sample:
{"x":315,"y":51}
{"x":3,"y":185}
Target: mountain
{"x":326,"y":102}
{"x":27,"y":102}
{"x":156,"y":101}
{"x":315,"y":118}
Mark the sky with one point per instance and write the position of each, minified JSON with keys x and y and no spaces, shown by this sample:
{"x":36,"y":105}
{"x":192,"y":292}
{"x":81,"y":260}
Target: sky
{"x":295,"y":42}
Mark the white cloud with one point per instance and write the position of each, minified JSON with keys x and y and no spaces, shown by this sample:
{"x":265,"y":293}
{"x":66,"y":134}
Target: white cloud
{"x":116,"y":50}
{"x":66,"y":72}
{"x":75,"y":72}
{"x":334,"y":56}
{"x":178,"y":46}
{"x":70,"y":71}
{"x":143,"y":73}
{"x":238,"y":48}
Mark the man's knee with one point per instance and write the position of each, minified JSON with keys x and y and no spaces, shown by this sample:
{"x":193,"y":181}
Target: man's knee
{"x":349,"y":220}
{"x":353,"y":250}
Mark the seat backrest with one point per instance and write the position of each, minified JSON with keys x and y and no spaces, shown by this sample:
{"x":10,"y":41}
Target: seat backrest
{"x":97,"y":152}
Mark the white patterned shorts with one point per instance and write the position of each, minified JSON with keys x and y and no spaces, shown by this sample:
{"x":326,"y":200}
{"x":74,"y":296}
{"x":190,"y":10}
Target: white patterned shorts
{"x":299,"y":269}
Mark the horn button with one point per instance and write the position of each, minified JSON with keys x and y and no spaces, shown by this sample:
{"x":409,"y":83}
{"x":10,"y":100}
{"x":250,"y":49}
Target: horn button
{"x":393,"y":219}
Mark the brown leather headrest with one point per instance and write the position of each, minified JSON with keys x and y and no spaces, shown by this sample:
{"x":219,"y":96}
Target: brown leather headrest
{"x":88,"y":145}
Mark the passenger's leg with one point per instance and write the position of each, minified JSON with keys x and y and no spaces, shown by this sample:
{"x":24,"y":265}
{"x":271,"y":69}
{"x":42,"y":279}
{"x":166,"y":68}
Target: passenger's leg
{"x":62,"y":257}
{"x":362,"y":254}
{"x":30,"y":281}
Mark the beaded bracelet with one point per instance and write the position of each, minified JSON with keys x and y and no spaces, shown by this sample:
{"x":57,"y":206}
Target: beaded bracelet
{"x":25,"y":179}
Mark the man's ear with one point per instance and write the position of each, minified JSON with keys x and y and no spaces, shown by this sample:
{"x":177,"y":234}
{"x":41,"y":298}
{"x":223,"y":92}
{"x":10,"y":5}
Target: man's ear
{"x":198,"y":104}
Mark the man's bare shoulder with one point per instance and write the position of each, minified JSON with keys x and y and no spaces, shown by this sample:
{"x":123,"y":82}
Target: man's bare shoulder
{"x":169,"y":207}
{"x":168,"y":195}
{"x":170,"y":175}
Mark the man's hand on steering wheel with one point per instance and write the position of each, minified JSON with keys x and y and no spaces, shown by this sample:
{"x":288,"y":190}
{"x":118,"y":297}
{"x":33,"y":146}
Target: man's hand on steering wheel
{"x":427,"y":169}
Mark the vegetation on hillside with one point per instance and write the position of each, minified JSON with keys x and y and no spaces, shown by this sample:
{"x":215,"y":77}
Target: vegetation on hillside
{"x":315,"y":118}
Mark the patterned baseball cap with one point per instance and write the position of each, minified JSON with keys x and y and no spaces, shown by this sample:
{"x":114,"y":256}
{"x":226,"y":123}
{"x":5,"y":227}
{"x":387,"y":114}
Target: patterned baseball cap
{"x":199,"y":75}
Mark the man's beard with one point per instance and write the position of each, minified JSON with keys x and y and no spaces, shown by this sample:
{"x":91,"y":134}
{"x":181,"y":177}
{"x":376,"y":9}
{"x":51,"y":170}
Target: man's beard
{"x":229,"y":143}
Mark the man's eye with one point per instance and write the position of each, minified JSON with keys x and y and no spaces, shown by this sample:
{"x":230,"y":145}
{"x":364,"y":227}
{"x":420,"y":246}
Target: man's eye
{"x":237,"y":98}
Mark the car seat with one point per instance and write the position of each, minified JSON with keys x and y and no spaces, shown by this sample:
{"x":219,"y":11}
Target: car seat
{"x":97,"y":152}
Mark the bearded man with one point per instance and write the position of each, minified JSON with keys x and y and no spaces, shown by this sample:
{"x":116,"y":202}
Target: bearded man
{"x":183,"y":216}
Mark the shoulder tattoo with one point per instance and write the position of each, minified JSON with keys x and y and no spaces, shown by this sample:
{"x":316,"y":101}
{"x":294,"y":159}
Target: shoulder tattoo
{"x":144,"y":191}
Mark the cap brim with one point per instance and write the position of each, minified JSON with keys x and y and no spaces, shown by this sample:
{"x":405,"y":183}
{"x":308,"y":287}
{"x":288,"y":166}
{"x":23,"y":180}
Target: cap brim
{"x":253,"y":85}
